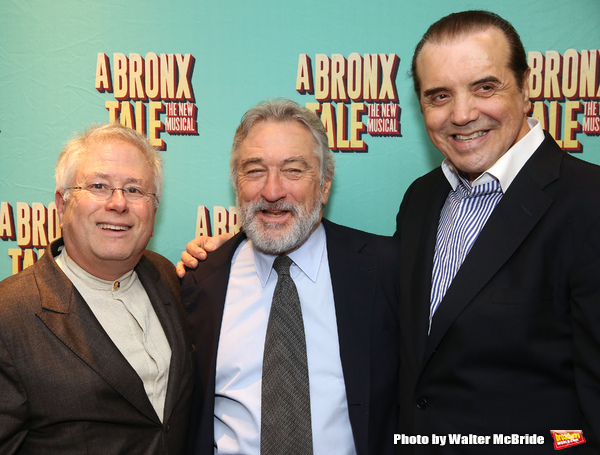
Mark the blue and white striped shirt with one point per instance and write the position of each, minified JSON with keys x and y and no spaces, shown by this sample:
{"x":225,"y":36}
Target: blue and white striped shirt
{"x":464,"y":213}
{"x":468,"y":207}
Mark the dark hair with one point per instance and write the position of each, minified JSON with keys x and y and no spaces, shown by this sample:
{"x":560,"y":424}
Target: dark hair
{"x":466,"y":22}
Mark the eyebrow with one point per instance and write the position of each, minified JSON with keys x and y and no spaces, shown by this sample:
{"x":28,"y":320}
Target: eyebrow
{"x":102,"y":175}
{"x":485,"y":80}
{"x":293,"y":159}
{"x":432,"y":91}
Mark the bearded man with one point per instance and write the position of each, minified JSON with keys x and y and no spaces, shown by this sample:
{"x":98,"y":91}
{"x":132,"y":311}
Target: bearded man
{"x":303,"y":366}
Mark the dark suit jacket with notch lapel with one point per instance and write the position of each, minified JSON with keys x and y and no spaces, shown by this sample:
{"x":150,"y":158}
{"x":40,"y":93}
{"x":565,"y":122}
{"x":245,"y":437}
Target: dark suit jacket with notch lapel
{"x":65,"y":388}
{"x":364,"y":271}
{"x":515,"y":343}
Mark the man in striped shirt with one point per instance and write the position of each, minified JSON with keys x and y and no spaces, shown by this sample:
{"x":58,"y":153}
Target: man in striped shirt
{"x":500,"y":297}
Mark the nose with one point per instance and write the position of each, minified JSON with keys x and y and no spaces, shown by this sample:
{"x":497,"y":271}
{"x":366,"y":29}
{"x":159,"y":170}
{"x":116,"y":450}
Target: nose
{"x":117,"y":201}
{"x":464,"y":110}
{"x":273,"y":190}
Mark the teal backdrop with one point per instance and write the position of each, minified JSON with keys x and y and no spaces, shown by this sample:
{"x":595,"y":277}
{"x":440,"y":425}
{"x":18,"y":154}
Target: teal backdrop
{"x":185,"y":71}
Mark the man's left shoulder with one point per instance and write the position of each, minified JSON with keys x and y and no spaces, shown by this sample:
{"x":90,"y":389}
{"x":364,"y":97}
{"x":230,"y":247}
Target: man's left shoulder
{"x":154,"y":264}
{"x":581,"y":169}
{"x":158,"y":259}
{"x":355,"y":238}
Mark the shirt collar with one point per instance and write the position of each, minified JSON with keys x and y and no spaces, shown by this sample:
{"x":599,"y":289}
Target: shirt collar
{"x":508,"y":166}
{"x":69,"y":266}
{"x":307,"y":257}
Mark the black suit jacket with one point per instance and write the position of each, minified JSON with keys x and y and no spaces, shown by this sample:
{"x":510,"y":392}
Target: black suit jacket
{"x":363,"y":270}
{"x":515,"y":343}
{"x":65,"y":388}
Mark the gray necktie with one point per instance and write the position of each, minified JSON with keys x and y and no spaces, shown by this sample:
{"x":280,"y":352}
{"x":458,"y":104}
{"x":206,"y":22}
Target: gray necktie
{"x":285,"y":402}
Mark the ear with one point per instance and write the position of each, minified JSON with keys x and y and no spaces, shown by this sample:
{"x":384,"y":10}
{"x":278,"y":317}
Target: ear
{"x":60,"y":205}
{"x":525,"y":91}
{"x":153,"y":221}
{"x":325,"y":190}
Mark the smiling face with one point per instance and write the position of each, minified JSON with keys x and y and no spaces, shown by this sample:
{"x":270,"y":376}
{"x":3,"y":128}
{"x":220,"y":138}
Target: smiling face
{"x":474,"y":111}
{"x":107,"y":238}
{"x":278,"y":191}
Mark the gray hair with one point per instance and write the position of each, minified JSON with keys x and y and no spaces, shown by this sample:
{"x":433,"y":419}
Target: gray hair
{"x":284,"y":110}
{"x":72,"y":155}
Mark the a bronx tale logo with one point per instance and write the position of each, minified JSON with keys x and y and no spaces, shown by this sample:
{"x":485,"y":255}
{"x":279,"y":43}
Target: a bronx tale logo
{"x":565,"y":93}
{"x":153,"y":94}
{"x":355,"y":96}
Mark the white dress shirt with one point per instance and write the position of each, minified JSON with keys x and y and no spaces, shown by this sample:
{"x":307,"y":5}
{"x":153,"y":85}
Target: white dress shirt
{"x":241,"y":346}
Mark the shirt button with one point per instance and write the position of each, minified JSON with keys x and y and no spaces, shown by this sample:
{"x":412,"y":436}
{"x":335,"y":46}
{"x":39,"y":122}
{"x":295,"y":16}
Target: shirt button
{"x":116,"y":285}
{"x":421,"y":403}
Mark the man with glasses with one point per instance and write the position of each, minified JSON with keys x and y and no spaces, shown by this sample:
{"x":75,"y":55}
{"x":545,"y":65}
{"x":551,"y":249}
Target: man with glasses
{"x":94,"y":351}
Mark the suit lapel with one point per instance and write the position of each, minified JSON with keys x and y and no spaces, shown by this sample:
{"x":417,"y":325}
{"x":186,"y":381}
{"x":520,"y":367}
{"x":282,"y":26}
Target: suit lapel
{"x":167,"y":313}
{"x":519,"y":210}
{"x":417,"y":256}
{"x":72,"y":321}
{"x":353,"y":313}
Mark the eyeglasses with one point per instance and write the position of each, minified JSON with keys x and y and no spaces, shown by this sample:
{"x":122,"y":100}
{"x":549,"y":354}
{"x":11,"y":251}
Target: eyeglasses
{"x":100,"y":191}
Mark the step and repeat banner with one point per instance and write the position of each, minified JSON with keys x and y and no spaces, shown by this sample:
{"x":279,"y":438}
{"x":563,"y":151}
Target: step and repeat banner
{"x":183,"y":73}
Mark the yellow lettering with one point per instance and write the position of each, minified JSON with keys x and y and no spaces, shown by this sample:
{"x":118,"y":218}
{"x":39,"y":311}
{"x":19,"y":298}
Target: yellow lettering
{"x":136,"y":71}
{"x":121,"y":84}
{"x":389,"y":64}
{"x":553,"y":66}
{"x":7,"y":230}
{"x":127,"y":115}
{"x":554,"y":122}
{"x":23,"y":225}
{"x":202,"y":222}
{"x":572,"y":126}
{"x":356,"y":126}
{"x":152,"y":76}
{"x":355,"y":76}
{"x":184,"y":88}
{"x":570,"y":70}
{"x":536,"y":81}
{"x":540,"y":113}
{"x":327,"y":115}
{"x":114,"y":108}
{"x":102,"y":73}
{"x":155,"y":125}
{"x":322,"y":77}
{"x":140,"y":117}
{"x":15,"y":254}
{"x":54,"y":230}
{"x":588,"y":74}
{"x":371,"y":77}
{"x":304,"y":76}
{"x":38,"y":225}
{"x":221,"y":220}
{"x":167,"y":76}
{"x":235,"y":224}
{"x":338,"y":74}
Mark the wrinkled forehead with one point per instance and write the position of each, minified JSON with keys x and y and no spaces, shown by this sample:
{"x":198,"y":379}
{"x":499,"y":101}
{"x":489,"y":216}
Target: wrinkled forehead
{"x":278,"y":141}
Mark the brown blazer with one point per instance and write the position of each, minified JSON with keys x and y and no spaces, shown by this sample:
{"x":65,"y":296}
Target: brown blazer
{"x":65,"y":388}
